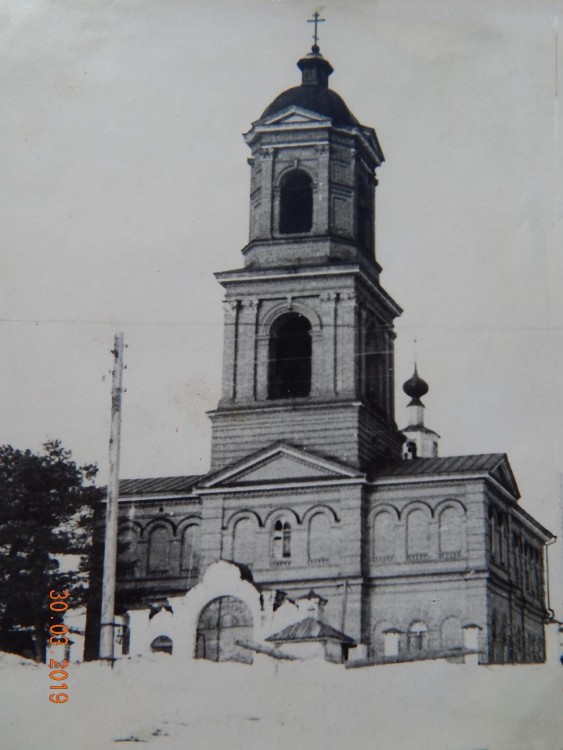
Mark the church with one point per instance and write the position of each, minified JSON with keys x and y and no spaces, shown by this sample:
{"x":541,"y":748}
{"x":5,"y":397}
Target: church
{"x":322,"y":526}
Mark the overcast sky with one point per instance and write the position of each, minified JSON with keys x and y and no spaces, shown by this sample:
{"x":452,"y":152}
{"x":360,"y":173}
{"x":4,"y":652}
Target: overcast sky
{"x":125,"y":186}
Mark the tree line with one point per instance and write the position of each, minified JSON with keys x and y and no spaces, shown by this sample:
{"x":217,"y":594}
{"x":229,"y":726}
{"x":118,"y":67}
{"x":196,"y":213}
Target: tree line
{"x":47,"y":507}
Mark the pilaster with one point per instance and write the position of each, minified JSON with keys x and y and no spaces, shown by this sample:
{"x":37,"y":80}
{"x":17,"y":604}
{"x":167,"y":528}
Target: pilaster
{"x":322,"y":193}
{"x":230,"y":345}
{"x":246,"y":350}
{"x":265,"y":221}
{"x":346,"y":344}
{"x":328,"y":313}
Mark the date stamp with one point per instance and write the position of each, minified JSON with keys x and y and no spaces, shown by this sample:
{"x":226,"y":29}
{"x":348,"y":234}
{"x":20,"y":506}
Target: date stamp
{"x":58,"y":637}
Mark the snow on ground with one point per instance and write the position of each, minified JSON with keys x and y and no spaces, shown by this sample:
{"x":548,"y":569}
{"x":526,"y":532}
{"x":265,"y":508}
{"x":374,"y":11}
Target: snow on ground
{"x":273,"y":705}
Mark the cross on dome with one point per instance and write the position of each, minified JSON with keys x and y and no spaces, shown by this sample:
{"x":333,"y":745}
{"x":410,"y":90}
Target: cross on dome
{"x":316,"y":20}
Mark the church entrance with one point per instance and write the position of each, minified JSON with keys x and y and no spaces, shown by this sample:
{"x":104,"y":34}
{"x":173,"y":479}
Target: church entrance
{"x":221,"y":625}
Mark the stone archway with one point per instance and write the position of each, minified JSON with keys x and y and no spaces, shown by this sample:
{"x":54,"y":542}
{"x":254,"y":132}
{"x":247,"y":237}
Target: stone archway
{"x":222,"y":623}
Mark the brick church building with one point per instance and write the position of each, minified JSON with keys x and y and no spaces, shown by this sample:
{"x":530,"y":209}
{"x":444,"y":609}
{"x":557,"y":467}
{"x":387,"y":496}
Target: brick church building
{"x":315,"y":497}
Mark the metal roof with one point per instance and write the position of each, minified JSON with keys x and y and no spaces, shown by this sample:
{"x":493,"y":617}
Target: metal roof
{"x":485,"y":462}
{"x":157,"y":485}
{"x":310,"y":629}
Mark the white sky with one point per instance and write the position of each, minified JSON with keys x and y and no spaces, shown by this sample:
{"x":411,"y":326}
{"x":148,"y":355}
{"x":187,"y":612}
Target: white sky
{"x":125,"y":186}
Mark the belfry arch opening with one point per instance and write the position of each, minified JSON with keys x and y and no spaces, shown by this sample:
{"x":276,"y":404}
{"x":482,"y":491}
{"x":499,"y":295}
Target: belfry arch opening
{"x":290,"y":352}
{"x":296,"y":203}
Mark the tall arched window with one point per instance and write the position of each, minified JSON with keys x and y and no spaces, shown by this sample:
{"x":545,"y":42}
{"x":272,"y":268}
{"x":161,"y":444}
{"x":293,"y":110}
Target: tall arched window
{"x":296,"y":203}
{"x":127,"y":552}
{"x":383,"y":537}
{"x":281,"y":541}
{"x":244,"y":541}
{"x":417,"y":535}
{"x":451,"y":533}
{"x":451,"y":634}
{"x":375,"y":374}
{"x":159,"y":550}
{"x":190,"y":549}
{"x":290,"y":352}
{"x":319,"y":538}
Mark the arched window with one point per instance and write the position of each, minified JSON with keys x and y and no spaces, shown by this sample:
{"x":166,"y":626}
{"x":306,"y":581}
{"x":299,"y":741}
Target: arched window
{"x":517,"y":550}
{"x":383,"y":537}
{"x":127,"y":552}
{"x":417,"y":535}
{"x":492,"y":533}
{"x":451,"y":533}
{"x":451,"y":634}
{"x":290,"y":357}
{"x":244,"y":541}
{"x":190,"y":549}
{"x":501,"y":525}
{"x":417,"y":641}
{"x":365,"y":219}
{"x":162,"y":644}
{"x":375,"y":374}
{"x":159,"y":550}
{"x":281,"y":542}
{"x":296,"y":203}
{"x":319,"y":538}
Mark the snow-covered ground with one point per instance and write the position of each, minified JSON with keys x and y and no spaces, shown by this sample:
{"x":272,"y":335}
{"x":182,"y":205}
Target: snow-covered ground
{"x":275,"y":705}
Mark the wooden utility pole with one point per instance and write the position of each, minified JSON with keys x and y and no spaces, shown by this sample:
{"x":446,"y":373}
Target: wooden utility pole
{"x":110,"y":545}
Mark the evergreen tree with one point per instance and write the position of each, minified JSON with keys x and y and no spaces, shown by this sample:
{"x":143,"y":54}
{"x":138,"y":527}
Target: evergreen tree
{"x":46,"y":510}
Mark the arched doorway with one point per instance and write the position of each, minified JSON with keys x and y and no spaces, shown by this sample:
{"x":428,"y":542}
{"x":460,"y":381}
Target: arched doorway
{"x":221,"y":625}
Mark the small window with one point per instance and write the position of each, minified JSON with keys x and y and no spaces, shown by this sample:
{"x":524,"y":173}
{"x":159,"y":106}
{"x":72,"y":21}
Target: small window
{"x":162,"y":644}
{"x":296,"y":203}
{"x":281,"y":542}
{"x":290,"y":352}
{"x":417,"y":638}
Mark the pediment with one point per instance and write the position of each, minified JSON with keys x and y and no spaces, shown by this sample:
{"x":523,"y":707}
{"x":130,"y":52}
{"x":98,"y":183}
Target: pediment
{"x":504,"y":476}
{"x":280,"y":464}
{"x":295,"y":115}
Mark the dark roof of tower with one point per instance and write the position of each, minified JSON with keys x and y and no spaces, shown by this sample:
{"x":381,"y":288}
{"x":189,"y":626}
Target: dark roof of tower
{"x":314,"y":93}
{"x":324,"y":101}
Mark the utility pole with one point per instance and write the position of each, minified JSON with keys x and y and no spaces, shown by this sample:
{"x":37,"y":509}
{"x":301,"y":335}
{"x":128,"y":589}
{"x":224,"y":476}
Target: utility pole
{"x":110,"y":545}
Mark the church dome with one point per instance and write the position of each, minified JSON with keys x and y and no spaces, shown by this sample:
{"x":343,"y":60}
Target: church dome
{"x":415,"y":387}
{"x":314,"y":93}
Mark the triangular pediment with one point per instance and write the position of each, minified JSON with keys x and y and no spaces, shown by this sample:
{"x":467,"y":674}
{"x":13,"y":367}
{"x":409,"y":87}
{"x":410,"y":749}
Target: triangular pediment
{"x":295,"y":115}
{"x":280,"y":463}
{"x":504,"y":476}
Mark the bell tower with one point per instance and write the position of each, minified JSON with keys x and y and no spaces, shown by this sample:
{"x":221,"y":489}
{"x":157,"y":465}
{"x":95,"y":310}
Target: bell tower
{"x":308,"y":335}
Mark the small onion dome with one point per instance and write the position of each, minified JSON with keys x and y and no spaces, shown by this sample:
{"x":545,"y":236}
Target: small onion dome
{"x":415,"y":387}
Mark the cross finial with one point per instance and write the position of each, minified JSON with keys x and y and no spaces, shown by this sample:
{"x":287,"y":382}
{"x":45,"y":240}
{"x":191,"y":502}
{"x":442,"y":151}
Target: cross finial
{"x":316,"y":20}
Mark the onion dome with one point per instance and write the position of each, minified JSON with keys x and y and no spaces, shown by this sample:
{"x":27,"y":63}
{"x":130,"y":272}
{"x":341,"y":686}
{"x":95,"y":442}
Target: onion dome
{"x":415,"y":387}
{"x":314,"y":93}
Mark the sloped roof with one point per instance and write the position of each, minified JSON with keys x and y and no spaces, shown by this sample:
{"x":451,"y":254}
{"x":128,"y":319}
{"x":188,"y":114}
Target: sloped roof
{"x":157,"y":485}
{"x":495,"y":465}
{"x":444,"y":465}
{"x":310,"y":629}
